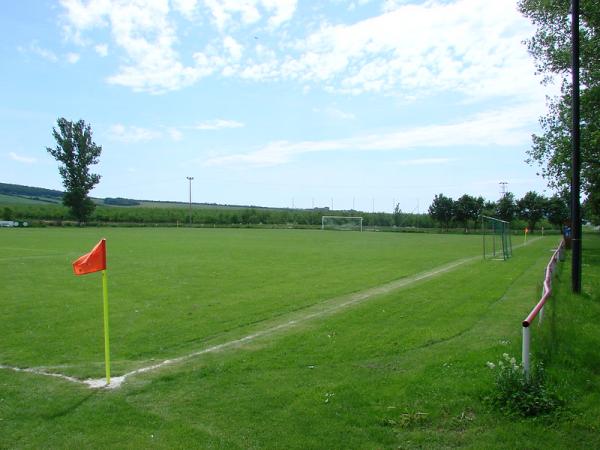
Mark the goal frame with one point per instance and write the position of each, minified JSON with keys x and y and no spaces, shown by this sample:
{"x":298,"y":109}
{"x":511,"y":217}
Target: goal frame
{"x":360,"y":219}
{"x":501,"y":229}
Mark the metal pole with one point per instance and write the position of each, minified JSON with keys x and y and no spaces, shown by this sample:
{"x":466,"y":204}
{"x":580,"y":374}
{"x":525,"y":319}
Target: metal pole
{"x":525,"y":353}
{"x":576,"y":153}
{"x":483,"y":229}
{"x":190,"y":180}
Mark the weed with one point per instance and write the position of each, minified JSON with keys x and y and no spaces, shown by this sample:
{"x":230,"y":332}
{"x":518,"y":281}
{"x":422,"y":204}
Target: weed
{"x":516,"y":393}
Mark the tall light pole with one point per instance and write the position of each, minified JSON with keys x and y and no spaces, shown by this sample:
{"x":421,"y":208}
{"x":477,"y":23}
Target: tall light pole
{"x":190,"y":180}
{"x":575,"y":154}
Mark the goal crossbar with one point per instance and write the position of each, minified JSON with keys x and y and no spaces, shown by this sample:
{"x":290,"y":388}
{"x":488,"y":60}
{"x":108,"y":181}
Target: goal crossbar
{"x":341,"y":218}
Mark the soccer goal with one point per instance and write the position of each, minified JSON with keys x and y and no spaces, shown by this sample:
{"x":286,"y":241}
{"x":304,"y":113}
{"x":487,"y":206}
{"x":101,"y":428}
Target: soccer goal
{"x":342,"y":223}
{"x":497,"y":242}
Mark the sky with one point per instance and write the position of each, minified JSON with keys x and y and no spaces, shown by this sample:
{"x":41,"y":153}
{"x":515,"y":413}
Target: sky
{"x":358,"y":104}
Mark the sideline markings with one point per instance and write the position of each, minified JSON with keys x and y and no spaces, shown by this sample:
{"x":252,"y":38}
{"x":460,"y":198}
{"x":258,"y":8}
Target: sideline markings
{"x":318,"y":310}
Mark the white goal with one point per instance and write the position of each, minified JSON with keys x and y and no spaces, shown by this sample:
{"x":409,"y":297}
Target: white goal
{"x":342,"y":223}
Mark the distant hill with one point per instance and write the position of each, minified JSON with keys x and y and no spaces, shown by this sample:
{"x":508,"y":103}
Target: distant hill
{"x":12,"y":194}
{"x":29,"y":191}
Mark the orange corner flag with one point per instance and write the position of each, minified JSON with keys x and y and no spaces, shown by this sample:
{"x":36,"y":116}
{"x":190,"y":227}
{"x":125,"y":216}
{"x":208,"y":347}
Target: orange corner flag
{"x":93,"y":261}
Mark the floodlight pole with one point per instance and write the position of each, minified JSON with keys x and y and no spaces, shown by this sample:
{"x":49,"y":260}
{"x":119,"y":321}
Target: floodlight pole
{"x":575,"y":153}
{"x":190,"y":180}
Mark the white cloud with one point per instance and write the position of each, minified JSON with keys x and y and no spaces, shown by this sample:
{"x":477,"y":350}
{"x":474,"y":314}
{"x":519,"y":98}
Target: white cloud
{"x":147,"y":33}
{"x":218,"y":124}
{"x":233,"y":47}
{"x":144,"y":32}
{"x":22,"y":159}
{"x":44,"y":53}
{"x":283,"y":11}
{"x":175,"y":134}
{"x":72,"y":58}
{"x":505,"y":127}
{"x":249,"y":11}
{"x":471,"y":47}
{"x":132,"y":134}
{"x":424,"y":161}
{"x":101,"y":49}
{"x":336,"y":113}
{"x":186,"y":7}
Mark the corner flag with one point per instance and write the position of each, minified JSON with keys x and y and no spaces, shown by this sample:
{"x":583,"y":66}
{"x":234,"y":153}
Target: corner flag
{"x":91,"y":262}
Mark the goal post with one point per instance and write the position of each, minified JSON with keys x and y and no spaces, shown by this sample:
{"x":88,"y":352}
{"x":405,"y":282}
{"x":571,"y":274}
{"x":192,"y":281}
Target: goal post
{"x":497,"y":240}
{"x":346,"y":223}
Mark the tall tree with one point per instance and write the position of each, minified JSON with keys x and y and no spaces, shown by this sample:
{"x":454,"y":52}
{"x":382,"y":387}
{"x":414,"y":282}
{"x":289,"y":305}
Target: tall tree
{"x":506,"y":207}
{"x":441,"y":210}
{"x":551,"y":48}
{"x":531,"y":209}
{"x":397,"y":215}
{"x":76,"y":152}
{"x":557,"y":211}
{"x":466,"y":208}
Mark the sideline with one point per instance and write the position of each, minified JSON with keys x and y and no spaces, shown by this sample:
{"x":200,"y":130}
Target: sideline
{"x":319,"y":310}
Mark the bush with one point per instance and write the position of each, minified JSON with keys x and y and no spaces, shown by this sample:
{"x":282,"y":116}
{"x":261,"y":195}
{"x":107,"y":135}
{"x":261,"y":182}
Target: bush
{"x":518,"y":394}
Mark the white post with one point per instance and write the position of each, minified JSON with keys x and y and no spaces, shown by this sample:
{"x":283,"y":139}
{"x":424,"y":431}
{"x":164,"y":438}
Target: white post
{"x":322,"y":222}
{"x":540,"y":316}
{"x":525,"y":355}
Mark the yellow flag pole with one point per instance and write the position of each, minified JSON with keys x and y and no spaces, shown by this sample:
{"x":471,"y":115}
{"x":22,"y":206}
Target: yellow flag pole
{"x":106,"y":334}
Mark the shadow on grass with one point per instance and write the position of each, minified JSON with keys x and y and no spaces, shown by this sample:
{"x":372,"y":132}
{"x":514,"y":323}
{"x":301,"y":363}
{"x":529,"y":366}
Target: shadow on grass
{"x":71,"y":407}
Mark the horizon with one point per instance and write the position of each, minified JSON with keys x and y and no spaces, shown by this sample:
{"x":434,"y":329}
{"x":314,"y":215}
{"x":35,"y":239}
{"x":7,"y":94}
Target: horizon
{"x":346,"y":105}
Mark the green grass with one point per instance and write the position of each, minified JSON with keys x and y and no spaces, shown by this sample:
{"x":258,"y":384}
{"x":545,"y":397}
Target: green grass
{"x":173,"y":289}
{"x":403,"y":370}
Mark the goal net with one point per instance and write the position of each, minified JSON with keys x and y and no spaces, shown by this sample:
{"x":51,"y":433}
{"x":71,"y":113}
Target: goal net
{"x":497,"y":242}
{"x":341,"y":223}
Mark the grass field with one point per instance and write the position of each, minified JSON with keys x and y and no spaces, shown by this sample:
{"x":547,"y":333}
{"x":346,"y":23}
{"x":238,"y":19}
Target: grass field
{"x":402,"y":369}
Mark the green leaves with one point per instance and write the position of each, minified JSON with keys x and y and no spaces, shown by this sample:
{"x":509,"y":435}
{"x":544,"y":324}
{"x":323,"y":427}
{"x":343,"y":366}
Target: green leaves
{"x":76,"y":151}
{"x":551,"y":49}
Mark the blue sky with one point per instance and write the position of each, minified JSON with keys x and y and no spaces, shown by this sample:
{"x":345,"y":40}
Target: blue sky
{"x":275,"y":102}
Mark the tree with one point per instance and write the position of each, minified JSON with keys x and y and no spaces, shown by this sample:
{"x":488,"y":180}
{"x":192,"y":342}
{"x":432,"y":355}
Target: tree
{"x":76,"y":152}
{"x":7,"y":214}
{"x":531,"y":209}
{"x":557,"y":211}
{"x":506,"y":207}
{"x":551,"y":49}
{"x":467,"y":208}
{"x":441,"y":210}
{"x":397,"y":215}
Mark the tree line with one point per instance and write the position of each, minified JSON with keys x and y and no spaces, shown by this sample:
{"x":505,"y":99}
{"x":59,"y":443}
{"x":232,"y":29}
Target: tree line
{"x":207,"y":216}
{"x":531,"y":209}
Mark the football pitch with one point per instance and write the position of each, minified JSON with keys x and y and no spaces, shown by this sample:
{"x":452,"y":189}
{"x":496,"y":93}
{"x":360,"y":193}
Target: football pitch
{"x":276,"y":338}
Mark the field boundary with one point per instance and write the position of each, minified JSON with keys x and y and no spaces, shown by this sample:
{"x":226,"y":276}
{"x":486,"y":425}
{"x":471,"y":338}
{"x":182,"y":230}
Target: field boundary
{"x":290,"y":320}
